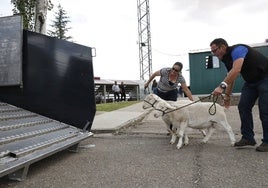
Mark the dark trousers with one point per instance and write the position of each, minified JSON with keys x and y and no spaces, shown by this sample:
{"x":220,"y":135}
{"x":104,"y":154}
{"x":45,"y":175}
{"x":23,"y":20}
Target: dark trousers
{"x":123,"y":96}
{"x":168,"y":96}
{"x":116,"y":95}
{"x":249,"y":94}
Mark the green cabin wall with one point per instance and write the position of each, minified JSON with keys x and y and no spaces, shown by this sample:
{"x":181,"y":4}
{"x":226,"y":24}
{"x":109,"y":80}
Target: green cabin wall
{"x":203,"y":80}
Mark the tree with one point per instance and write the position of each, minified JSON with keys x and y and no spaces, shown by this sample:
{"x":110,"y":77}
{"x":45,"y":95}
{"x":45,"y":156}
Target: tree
{"x":41,"y":8}
{"x":59,"y":25}
{"x":27,"y":9}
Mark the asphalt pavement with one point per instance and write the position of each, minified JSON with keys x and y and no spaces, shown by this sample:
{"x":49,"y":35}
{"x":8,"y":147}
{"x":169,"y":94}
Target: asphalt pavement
{"x":130,"y":148}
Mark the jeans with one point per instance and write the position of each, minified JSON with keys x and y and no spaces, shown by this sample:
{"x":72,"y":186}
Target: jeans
{"x":116,"y":94}
{"x":249,"y":95}
{"x":155,"y":90}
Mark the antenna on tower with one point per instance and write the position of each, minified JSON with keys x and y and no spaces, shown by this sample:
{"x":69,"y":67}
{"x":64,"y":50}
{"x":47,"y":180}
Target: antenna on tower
{"x":145,"y":51}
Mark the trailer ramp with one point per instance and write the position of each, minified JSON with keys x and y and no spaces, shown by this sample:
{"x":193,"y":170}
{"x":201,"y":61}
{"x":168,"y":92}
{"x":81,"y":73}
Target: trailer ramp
{"x":27,"y":137}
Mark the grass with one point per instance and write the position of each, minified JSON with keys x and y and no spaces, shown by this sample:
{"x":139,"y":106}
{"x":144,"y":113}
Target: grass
{"x":108,"y":107}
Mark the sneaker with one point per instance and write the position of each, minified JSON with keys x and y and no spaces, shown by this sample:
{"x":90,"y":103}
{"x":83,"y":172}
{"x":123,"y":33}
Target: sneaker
{"x":263,"y":147}
{"x":244,"y":142}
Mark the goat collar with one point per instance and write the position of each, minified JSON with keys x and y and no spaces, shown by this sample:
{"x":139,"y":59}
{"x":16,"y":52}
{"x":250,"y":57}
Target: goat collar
{"x":152,"y":104}
{"x":167,"y":110}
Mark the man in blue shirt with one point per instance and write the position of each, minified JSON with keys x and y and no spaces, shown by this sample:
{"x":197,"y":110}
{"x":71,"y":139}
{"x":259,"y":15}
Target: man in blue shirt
{"x":253,"y":66}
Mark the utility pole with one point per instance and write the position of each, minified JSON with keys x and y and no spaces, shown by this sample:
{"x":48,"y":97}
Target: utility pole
{"x":145,"y":52}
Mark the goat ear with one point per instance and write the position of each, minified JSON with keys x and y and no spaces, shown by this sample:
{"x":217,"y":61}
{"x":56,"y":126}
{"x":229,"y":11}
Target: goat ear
{"x":147,"y":97}
{"x":154,"y":96}
{"x":170,"y":106}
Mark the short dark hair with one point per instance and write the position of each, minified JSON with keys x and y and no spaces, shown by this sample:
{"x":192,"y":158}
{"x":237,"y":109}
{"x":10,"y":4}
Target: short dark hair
{"x":219,"y":41}
{"x":179,"y":64}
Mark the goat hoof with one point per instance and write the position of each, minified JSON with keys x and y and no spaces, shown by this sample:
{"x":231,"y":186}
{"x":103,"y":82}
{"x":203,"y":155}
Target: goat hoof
{"x":178,"y":147}
{"x":203,"y":142}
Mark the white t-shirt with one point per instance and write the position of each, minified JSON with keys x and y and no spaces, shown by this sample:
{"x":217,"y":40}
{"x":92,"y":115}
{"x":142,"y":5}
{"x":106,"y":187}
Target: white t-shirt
{"x":116,"y":88}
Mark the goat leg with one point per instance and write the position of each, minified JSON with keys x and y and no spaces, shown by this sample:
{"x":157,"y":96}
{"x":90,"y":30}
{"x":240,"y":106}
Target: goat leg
{"x":229,"y":130}
{"x":211,"y":130}
{"x":181,"y":133}
{"x":186,"y":139}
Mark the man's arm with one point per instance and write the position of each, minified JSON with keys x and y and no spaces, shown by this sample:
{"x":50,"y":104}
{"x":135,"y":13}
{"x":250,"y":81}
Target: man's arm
{"x":231,"y":77}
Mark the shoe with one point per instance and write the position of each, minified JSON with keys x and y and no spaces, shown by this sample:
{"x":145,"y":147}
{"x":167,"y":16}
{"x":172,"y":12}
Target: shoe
{"x":263,"y":147}
{"x":245,"y":142}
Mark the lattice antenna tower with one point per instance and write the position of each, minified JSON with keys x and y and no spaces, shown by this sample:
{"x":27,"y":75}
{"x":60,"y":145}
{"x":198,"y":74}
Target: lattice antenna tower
{"x":145,"y":52}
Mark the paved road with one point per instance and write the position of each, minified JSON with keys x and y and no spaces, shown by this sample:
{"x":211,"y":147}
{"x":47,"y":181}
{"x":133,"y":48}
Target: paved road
{"x":141,"y":156}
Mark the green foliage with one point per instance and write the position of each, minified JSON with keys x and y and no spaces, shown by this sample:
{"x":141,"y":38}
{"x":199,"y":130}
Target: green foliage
{"x":59,"y":25}
{"x":107,"y":107}
{"x":27,"y":9}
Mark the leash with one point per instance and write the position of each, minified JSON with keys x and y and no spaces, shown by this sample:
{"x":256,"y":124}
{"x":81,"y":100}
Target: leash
{"x":211,"y":110}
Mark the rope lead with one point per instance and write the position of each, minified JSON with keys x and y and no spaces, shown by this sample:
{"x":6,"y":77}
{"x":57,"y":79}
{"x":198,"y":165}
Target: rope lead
{"x":211,"y":110}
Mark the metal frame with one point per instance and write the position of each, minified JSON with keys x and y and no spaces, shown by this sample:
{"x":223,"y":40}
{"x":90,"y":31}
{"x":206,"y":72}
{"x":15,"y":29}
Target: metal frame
{"x":145,"y":52}
{"x":27,"y":137}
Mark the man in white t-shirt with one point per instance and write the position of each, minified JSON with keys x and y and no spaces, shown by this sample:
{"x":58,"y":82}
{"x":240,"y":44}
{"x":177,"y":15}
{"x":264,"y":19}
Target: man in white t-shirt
{"x":116,"y":91}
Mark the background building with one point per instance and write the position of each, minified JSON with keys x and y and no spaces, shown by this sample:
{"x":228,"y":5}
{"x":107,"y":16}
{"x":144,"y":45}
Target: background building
{"x":104,"y":93}
{"x":206,"y":71}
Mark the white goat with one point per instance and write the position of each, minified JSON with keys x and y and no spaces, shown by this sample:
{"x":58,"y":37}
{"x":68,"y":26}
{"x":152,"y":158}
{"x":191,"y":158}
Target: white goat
{"x":195,"y":116}
{"x":153,"y":100}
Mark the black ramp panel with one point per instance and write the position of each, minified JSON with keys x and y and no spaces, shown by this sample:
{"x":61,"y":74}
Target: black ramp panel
{"x":58,"y":80}
{"x":10,"y":50}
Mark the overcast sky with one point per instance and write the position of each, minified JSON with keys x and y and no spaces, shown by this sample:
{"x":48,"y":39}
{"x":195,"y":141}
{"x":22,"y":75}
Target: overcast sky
{"x":177,"y":27}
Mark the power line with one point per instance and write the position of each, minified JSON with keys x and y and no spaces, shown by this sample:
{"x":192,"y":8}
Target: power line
{"x":168,"y":54}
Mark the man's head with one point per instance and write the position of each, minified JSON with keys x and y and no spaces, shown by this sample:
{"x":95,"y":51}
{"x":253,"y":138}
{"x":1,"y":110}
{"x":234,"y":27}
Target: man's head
{"x":218,"y":47}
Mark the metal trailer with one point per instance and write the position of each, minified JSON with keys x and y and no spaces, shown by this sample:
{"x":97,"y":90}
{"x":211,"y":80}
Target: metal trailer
{"x":47,"y":101}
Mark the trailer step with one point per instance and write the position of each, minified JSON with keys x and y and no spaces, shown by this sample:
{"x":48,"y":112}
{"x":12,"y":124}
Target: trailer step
{"x":27,"y":137}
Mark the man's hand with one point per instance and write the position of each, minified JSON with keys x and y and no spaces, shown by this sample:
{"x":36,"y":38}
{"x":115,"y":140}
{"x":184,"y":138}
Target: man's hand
{"x":217,"y":91}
